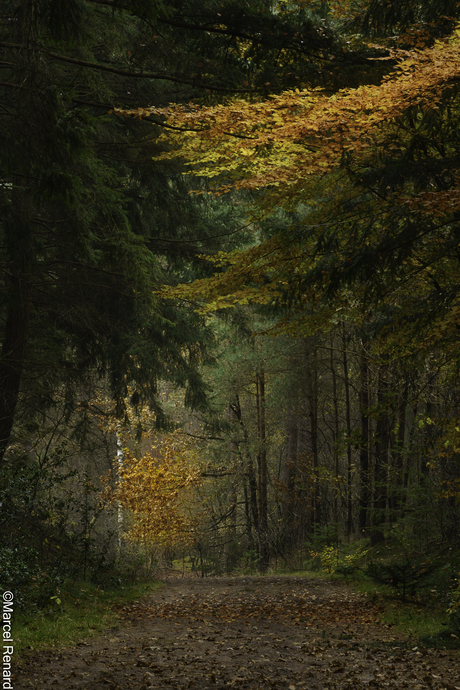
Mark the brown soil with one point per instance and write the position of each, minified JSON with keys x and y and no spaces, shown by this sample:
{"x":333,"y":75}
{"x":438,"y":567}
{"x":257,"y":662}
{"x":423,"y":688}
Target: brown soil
{"x":247,"y":633}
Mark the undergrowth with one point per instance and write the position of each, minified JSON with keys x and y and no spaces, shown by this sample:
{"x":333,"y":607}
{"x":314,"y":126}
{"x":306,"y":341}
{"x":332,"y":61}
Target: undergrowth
{"x":417,"y":589}
{"x":83,"y":612}
{"x":414,"y":591}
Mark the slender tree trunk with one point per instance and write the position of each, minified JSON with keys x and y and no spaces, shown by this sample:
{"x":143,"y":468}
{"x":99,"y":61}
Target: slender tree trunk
{"x":409,"y":455}
{"x":312,"y":393}
{"x":291,"y":525}
{"x":120,"y":461}
{"x":336,"y":434}
{"x":264,"y":555}
{"x":348,"y":423}
{"x":396,"y":498}
{"x":230,"y":550}
{"x":11,"y":364}
{"x":382,"y":443}
{"x":365,"y":486}
{"x":230,"y":538}
{"x":423,"y":467}
{"x":253,"y":500}
{"x":249,"y":522}
{"x":253,"y":510}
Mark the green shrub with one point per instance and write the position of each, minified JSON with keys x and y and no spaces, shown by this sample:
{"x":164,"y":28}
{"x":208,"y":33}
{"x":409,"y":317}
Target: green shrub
{"x":21,"y":573}
{"x":332,"y":562}
{"x":406,"y":576}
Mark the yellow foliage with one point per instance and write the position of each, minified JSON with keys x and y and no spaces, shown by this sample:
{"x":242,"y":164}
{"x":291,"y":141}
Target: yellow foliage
{"x":330,"y":558}
{"x":299,"y":135}
{"x":306,"y":145}
{"x":152,"y":486}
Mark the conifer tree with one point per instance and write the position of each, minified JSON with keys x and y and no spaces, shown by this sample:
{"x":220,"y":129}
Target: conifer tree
{"x":89,"y":224}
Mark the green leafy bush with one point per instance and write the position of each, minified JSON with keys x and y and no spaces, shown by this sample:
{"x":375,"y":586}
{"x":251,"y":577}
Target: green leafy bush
{"x":21,"y":573}
{"x":332,"y":562}
{"x":48,"y":514}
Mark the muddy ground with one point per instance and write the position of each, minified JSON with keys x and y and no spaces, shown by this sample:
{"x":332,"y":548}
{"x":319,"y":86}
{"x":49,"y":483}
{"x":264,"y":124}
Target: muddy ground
{"x":247,"y":633}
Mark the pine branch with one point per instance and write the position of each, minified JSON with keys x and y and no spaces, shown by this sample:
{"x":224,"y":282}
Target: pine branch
{"x":134,"y":75}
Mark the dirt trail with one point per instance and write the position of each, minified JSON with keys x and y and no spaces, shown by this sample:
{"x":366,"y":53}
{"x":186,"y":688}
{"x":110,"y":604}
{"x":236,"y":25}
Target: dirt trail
{"x":247,"y":633}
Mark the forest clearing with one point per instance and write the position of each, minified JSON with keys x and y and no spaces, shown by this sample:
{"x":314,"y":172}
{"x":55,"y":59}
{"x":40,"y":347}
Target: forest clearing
{"x":247,"y":633}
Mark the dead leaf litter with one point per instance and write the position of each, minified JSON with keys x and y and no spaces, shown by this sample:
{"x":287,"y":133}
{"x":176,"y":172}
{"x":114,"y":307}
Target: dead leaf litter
{"x":247,"y":633}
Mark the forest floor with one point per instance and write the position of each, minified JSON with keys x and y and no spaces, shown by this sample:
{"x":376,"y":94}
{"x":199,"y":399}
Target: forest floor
{"x":247,"y":633}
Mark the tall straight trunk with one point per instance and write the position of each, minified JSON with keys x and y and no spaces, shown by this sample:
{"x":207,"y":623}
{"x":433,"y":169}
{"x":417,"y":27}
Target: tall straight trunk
{"x":423,"y":466}
{"x":409,"y":455}
{"x":315,"y":516}
{"x":230,"y":557}
{"x":348,"y":423}
{"x":336,"y":433}
{"x":364,"y":477}
{"x":396,"y":498}
{"x":251,"y":496}
{"x":291,"y":529}
{"x":249,"y":521}
{"x":264,"y":554}
{"x":382,"y":444}
{"x":253,"y":501}
{"x":120,"y":461}
{"x":18,"y":243}
{"x":12,"y":361}
{"x":230,"y":537}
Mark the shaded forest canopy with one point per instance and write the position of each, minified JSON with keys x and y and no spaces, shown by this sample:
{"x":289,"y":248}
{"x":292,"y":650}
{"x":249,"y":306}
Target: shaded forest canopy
{"x":229,"y":286}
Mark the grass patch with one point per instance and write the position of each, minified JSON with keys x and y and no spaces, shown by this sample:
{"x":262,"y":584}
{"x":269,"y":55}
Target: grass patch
{"x":424,"y":619}
{"x":414,"y":620}
{"x":83,"y":612}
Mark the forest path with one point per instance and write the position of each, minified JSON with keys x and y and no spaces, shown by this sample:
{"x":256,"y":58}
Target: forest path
{"x":247,"y":633}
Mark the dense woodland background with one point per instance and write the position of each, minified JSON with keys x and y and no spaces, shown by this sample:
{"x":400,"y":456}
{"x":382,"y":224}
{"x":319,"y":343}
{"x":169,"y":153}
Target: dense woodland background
{"x":320,"y":404}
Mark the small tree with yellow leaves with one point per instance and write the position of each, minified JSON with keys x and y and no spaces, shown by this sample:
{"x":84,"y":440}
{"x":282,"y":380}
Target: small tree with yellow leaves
{"x":152,"y":479}
{"x":154,"y":488}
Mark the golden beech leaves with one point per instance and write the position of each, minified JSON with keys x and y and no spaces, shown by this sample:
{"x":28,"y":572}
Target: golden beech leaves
{"x":325,"y":152}
{"x":288,"y":139}
{"x":437,"y":204}
{"x":254,"y":265}
{"x":154,"y":488}
{"x":154,"y":482}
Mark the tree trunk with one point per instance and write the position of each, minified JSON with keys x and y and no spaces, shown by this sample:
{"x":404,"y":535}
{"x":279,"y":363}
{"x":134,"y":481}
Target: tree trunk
{"x":18,"y":240}
{"x":290,"y":523}
{"x":382,"y":443}
{"x":409,"y":455}
{"x":335,"y":439}
{"x":252,"y":481}
{"x":249,"y":522}
{"x":396,"y":499}
{"x":230,"y":555}
{"x":315,"y":516}
{"x":365,"y":486}
{"x":348,"y":423}
{"x":264,"y":555}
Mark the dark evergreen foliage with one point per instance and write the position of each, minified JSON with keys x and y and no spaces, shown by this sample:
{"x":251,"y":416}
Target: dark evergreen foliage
{"x":406,"y":576}
{"x":89,"y":224}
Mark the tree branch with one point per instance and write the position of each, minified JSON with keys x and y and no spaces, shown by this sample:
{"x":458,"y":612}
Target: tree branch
{"x":147,"y":75}
{"x":181,"y":25}
{"x":216,"y":475}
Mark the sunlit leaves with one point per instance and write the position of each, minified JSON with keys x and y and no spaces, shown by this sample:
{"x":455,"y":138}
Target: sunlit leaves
{"x":289,"y":138}
{"x":154,"y":488}
{"x":153,"y":480}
